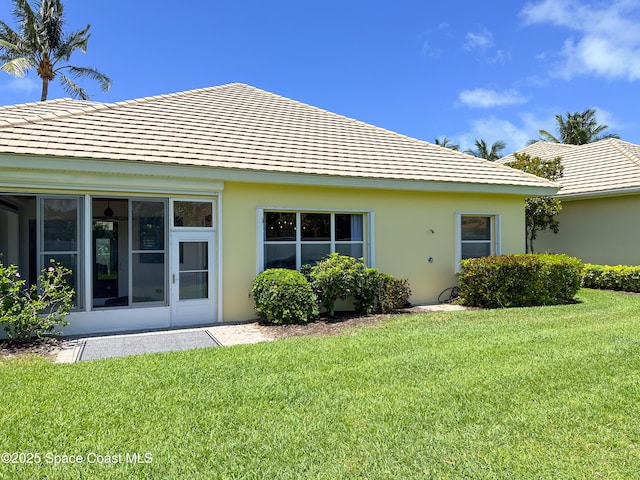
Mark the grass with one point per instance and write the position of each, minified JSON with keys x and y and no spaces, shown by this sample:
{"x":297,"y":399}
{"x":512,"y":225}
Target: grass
{"x":547,"y":392}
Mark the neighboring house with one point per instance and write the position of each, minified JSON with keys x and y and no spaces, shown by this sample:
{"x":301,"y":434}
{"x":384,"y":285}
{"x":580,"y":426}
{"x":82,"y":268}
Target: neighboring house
{"x":600,"y":195}
{"x":167,"y":207}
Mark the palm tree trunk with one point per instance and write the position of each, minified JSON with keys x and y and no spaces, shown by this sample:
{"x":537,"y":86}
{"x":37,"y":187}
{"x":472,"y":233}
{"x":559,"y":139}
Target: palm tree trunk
{"x":45,"y":89}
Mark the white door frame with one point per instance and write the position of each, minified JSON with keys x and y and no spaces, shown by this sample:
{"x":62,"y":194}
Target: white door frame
{"x":193,"y":311}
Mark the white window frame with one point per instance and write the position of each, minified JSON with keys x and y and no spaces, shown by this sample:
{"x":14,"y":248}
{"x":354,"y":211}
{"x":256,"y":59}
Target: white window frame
{"x":368,"y":247}
{"x":496,"y":234}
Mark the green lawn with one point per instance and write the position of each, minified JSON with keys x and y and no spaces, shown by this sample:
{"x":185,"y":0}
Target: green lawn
{"x":548,"y":392}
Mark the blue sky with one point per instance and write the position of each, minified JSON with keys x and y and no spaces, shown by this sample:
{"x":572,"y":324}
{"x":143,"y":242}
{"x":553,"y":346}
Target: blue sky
{"x":457,"y":68}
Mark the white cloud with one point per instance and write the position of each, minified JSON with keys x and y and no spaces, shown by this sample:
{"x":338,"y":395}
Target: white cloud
{"x":429,"y":48}
{"x":501,"y":57}
{"x":20,"y":85}
{"x":608,"y":36}
{"x":483,"y":98}
{"x":491,"y":128}
{"x":480,"y":40}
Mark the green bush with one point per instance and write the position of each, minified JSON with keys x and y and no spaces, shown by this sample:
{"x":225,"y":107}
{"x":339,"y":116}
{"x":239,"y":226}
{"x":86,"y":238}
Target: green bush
{"x":391,"y":293}
{"x":519,"y":280}
{"x":35,"y":310}
{"x":283,"y":296}
{"x":605,"y":277}
{"x":341,"y":277}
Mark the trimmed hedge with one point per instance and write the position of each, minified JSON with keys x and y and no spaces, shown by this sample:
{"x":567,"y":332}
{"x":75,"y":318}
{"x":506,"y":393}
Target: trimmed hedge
{"x":391,"y":293}
{"x":605,"y":277}
{"x":283,"y":296}
{"x":289,"y":296}
{"x":340,"y":277}
{"x":521,"y":280}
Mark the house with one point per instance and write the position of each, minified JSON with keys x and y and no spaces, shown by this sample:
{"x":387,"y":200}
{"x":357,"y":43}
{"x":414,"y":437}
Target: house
{"x":600,"y":195}
{"x":166,"y":208}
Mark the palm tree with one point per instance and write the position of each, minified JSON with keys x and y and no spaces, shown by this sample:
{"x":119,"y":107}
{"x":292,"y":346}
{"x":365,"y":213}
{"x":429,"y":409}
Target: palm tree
{"x":41,"y":43}
{"x":578,"y":128}
{"x":483,"y":151}
{"x":446,"y":143}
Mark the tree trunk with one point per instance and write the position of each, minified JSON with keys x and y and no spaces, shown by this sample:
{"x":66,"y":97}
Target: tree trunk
{"x":45,"y":89}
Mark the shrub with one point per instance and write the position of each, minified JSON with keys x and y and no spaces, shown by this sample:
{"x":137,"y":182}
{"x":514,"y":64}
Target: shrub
{"x":391,"y":293}
{"x":519,"y":280}
{"x":341,"y":277}
{"x":605,"y":277}
{"x":35,"y":310}
{"x":365,"y":289}
{"x":283,"y":296}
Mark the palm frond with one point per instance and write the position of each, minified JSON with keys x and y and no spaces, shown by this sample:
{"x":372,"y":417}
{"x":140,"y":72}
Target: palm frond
{"x":17,"y":66}
{"x":72,"y":42}
{"x":84,"y":72}
{"x":28,"y":21}
{"x":72,"y":88}
{"x":51,"y":16}
{"x":548,"y":137}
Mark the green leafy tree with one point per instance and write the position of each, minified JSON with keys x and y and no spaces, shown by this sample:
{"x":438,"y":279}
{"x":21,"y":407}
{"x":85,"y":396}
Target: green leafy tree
{"x":446,"y":143}
{"x":578,"y":128}
{"x":540,"y":212}
{"x":483,"y":150}
{"x":41,"y":43}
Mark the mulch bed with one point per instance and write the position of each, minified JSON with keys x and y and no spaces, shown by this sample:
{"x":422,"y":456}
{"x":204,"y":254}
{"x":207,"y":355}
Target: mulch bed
{"x":50,"y":346}
{"x":331,"y":326}
{"x":47,"y":347}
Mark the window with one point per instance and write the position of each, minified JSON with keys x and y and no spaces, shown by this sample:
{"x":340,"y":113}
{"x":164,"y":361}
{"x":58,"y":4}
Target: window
{"x":148,"y":251}
{"x":293,"y":239}
{"x":129,"y":252}
{"x":60,"y":238}
{"x":478,"y":236}
{"x":198,"y":214}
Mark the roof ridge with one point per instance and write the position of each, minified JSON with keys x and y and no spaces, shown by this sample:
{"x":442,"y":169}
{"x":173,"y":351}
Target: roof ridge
{"x":185,"y":93}
{"x":80,"y":108}
{"x":91,"y":106}
{"x":623,"y":147}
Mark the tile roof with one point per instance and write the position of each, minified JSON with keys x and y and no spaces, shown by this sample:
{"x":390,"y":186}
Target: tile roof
{"x":239,"y":127}
{"x":606,"y":167}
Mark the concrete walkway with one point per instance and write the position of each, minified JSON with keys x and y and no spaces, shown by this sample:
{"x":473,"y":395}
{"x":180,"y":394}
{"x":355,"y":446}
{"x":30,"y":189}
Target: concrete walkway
{"x":120,"y":345}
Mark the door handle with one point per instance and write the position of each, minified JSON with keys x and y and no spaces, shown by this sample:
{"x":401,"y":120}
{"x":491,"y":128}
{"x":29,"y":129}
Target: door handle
{"x":173,"y":278}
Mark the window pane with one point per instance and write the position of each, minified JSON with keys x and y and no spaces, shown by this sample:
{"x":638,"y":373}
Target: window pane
{"x":194,"y":285}
{"x":352,"y":249}
{"x":476,"y":228}
{"x":316,"y":227}
{"x":312,"y":252}
{"x":194,"y":256}
{"x":192,"y":214}
{"x":71,"y":262}
{"x":475,"y":250}
{"x":280,"y":256}
{"x":148,"y":225}
{"x":148,"y":277}
{"x":349,"y":227}
{"x":60,"y":224}
{"x":280,"y":227}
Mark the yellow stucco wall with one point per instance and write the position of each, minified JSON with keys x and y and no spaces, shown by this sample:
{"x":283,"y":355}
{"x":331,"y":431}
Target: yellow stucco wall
{"x":403,"y":240}
{"x":602,"y":231}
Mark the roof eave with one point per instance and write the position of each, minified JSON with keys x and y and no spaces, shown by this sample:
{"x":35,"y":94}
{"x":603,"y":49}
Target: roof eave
{"x":321,"y":180}
{"x":69,"y":165}
{"x":618,"y":192}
